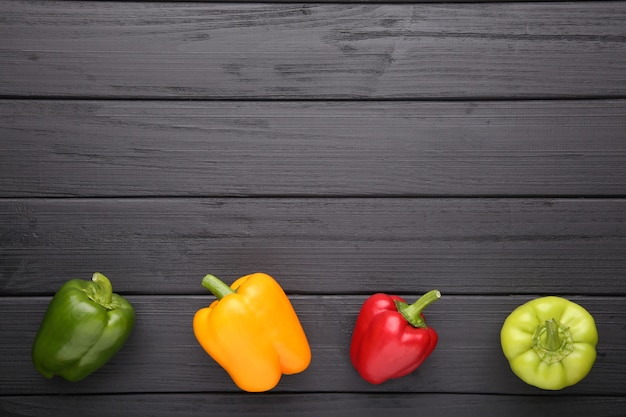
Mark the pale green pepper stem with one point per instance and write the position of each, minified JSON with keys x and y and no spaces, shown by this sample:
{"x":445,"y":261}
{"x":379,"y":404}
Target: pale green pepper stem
{"x":413,"y":313}
{"x":216,"y":286}
{"x":553,"y":340}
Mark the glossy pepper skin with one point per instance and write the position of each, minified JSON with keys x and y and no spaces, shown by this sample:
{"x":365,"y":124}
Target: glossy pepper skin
{"x":252,"y":331}
{"x":391,"y":338}
{"x":550,"y":342}
{"x":84,"y":326}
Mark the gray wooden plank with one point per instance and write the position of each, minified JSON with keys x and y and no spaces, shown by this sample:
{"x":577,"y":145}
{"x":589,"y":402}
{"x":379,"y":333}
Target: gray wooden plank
{"x":352,"y":1}
{"x":201,"y":50}
{"x":310,"y":405}
{"x":317,"y":246}
{"x":139,"y":148}
{"x":162,"y":355}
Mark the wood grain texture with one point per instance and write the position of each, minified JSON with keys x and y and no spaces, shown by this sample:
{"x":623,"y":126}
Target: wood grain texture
{"x":150,"y":148}
{"x":310,"y":405}
{"x":318,"y":246}
{"x":162,"y":355}
{"x":345,"y":148}
{"x":269,"y":51}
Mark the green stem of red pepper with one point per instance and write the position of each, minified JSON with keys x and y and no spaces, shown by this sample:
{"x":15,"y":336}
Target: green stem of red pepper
{"x":413,"y":312}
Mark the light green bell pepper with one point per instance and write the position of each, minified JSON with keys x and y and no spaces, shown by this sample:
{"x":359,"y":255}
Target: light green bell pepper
{"x":550,"y":342}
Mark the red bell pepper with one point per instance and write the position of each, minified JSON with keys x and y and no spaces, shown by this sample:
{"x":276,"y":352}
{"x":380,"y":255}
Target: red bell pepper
{"x":391,"y":338}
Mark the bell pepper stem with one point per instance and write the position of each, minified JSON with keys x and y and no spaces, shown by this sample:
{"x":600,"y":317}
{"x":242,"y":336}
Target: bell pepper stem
{"x":103,"y":294}
{"x":553,"y":340}
{"x":413,"y":312}
{"x":216,"y":286}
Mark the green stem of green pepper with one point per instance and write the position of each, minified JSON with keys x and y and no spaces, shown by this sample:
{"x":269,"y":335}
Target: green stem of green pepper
{"x":413,"y":312}
{"x":216,"y":286}
{"x":102,"y":292}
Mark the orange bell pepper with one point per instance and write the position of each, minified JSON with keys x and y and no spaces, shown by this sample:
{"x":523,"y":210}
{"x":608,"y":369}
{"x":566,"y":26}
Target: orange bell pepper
{"x":252,"y":331}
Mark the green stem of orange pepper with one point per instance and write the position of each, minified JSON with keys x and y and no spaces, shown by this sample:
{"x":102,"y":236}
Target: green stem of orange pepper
{"x":216,"y":286}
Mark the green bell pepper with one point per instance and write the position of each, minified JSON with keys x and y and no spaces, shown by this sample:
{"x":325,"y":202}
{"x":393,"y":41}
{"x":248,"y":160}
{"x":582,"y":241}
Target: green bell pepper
{"x":550,"y":342}
{"x":84,"y":326}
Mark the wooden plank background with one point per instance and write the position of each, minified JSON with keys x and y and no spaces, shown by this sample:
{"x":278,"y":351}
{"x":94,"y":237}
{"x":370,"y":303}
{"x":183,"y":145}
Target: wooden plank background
{"x":345,"y":148}
{"x":407,"y":149}
{"x":307,"y":51}
{"x":320,"y":246}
